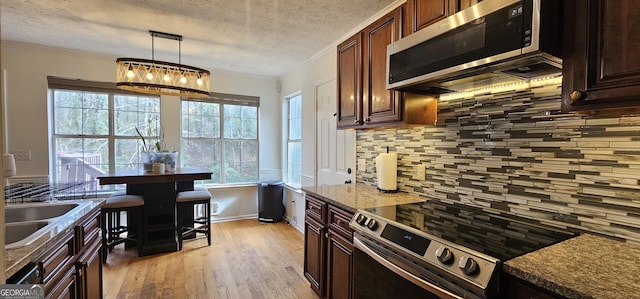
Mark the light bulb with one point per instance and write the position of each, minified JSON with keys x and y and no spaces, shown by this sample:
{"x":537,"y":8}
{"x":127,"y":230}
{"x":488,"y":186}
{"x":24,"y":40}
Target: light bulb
{"x":183,"y":80}
{"x":166,"y":77}
{"x":130,"y":72}
{"x":149,"y":76}
{"x":199,"y":82}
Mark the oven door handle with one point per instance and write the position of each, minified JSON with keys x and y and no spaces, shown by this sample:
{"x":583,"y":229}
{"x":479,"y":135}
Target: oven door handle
{"x":438,"y":291}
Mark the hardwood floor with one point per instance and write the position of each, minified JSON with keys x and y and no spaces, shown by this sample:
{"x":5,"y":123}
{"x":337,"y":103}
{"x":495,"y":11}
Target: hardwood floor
{"x":246,"y":259}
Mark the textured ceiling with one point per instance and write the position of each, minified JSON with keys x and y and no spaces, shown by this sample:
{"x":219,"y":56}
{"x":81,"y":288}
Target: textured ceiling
{"x":265,"y":37}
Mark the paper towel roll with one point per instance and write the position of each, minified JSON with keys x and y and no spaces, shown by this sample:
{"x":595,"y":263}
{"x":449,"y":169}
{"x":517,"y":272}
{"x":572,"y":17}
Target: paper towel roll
{"x":387,"y":171}
{"x":9,"y":165}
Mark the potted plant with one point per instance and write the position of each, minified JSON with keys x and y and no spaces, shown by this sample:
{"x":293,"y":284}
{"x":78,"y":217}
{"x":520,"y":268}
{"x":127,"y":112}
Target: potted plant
{"x":155,"y":152}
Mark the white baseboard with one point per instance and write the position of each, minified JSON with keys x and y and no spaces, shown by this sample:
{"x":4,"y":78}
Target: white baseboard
{"x":233,"y":218}
{"x":253,"y":216}
{"x":301,"y":230}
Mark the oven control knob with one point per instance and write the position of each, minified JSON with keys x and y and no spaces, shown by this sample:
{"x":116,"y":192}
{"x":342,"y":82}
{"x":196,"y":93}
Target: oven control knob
{"x":468,"y":265}
{"x":444,"y":255}
{"x":361,"y":219}
{"x":372,"y":224}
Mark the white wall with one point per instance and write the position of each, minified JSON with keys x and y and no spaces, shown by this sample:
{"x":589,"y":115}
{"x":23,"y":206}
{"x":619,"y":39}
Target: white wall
{"x":28,"y":65}
{"x":304,"y":77}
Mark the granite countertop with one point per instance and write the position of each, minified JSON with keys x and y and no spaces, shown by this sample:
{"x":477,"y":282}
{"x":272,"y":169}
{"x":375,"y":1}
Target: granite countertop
{"x":586,"y":266}
{"x":352,"y":197}
{"x":18,"y":257}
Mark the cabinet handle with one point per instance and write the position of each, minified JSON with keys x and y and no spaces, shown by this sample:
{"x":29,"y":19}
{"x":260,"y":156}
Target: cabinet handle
{"x":356,"y":121}
{"x":339,"y":222}
{"x":326,"y":235}
{"x":576,"y":95}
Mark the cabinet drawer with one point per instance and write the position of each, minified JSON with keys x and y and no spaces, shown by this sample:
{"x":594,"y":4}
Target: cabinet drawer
{"x":339,"y":222}
{"x":56,"y":261}
{"x":87,"y":232}
{"x":65,"y":288}
{"x":316,"y":209}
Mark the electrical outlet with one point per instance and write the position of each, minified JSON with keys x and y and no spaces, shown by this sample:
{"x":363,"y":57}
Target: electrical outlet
{"x":421,"y":172}
{"x":21,"y":155}
{"x":419,"y":219}
{"x":362,"y":164}
{"x":214,"y":209}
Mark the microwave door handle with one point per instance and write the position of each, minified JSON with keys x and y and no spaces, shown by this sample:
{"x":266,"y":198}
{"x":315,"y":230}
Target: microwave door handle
{"x":438,"y":291}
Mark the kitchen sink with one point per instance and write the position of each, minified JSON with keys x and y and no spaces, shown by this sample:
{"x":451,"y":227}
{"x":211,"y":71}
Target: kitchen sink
{"x":31,"y":212}
{"x":20,"y":232}
{"x":25,"y":223}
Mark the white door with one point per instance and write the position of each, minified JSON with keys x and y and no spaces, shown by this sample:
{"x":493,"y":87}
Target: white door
{"x":335,"y":148}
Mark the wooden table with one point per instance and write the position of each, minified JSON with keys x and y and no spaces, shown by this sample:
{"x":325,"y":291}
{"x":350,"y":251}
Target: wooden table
{"x":159,"y":191}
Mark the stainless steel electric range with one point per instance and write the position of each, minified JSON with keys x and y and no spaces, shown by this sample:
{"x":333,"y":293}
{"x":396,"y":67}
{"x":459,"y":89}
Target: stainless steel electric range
{"x":440,"y":250}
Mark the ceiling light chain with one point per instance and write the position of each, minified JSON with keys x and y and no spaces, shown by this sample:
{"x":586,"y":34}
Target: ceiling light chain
{"x":162,"y":78}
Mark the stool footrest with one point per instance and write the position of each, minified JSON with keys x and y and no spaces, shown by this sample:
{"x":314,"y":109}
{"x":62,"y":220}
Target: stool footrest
{"x":185,"y":204}
{"x":114,"y":232}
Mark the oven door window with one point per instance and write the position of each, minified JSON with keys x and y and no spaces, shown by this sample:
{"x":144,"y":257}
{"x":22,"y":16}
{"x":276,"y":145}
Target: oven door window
{"x":373,"y":281}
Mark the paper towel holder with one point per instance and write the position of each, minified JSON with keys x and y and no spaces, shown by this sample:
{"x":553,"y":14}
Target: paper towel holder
{"x":9,"y":165}
{"x":386,"y":172}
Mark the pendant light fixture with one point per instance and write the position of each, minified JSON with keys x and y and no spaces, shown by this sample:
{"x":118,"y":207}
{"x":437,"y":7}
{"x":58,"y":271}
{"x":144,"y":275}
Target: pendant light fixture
{"x":160,"y":77}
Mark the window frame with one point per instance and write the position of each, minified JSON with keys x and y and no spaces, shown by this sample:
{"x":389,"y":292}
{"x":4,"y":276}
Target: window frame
{"x":64,"y":84}
{"x":288,"y":140}
{"x":223,"y":99}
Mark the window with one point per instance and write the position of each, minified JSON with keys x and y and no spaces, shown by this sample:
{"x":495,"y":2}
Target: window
{"x":294,"y":141}
{"x":221,"y":133}
{"x":94,"y":128}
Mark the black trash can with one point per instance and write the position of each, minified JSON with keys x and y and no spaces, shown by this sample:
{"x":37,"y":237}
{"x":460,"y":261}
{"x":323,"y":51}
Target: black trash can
{"x":270,"y":201}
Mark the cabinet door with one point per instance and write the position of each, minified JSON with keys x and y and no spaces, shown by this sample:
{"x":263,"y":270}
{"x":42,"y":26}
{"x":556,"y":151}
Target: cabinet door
{"x":601,"y":65}
{"x":89,"y":272}
{"x":380,"y":105}
{"x":422,"y":13}
{"x":314,"y":254}
{"x":518,"y":289}
{"x":349,"y":99}
{"x":65,"y":288}
{"x":339,"y":267}
{"x":462,"y":4}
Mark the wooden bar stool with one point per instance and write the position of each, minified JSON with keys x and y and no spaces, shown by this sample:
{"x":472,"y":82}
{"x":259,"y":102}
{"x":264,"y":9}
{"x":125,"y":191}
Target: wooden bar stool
{"x":186,"y":201}
{"x":112,"y":228}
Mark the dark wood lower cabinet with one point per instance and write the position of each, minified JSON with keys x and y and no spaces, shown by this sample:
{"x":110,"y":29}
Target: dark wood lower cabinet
{"x":89,"y":273}
{"x":519,"y":289}
{"x":339,"y":268}
{"x":64,"y":288}
{"x":56,"y":264}
{"x":328,"y":251}
{"x":314,"y":253}
{"x":72,"y":267}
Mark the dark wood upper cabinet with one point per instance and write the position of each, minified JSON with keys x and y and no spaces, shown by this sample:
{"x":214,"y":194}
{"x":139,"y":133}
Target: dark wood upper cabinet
{"x":601,"y":63}
{"x":380,"y":105}
{"x":422,"y":13}
{"x":363,"y":100}
{"x":349,"y":82}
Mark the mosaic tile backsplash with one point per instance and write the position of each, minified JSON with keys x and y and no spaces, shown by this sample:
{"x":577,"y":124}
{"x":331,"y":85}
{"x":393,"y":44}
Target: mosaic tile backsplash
{"x":515,"y":151}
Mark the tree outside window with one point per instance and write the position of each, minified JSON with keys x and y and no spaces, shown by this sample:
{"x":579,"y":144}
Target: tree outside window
{"x":94,"y":132}
{"x":222,"y":137}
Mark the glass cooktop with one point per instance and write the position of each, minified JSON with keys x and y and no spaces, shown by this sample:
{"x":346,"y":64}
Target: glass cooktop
{"x":501,"y":236}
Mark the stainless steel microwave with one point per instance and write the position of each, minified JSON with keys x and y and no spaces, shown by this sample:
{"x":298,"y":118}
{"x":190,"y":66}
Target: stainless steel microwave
{"x":491,"y":42}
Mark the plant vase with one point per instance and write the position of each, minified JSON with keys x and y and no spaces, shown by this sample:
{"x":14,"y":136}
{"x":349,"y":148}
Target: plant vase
{"x":169,"y":159}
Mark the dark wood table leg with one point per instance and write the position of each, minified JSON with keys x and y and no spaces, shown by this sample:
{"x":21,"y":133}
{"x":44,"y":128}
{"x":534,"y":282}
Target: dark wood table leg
{"x":159,"y":224}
